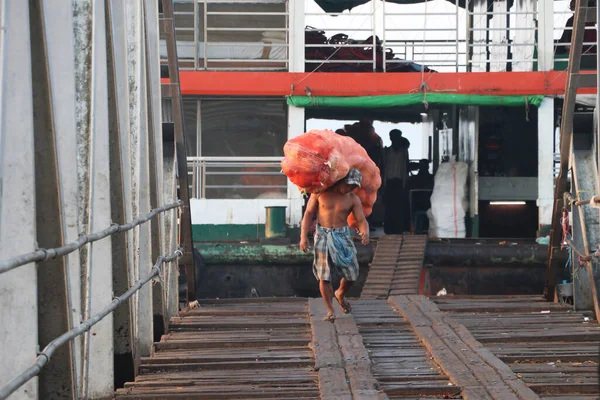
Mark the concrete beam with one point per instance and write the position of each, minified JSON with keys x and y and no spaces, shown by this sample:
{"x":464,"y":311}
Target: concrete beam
{"x":120,"y":167}
{"x":59,"y":299}
{"x":155,"y":141}
{"x":171,"y":271}
{"x":17,"y":199}
{"x":140,"y":179}
{"x":94,"y":190}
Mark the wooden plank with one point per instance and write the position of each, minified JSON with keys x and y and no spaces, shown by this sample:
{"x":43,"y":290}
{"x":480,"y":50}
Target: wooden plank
{"x":226,"y":362}
{"x":324,"y":338}
{"x":400,"y":363}
{"x":460,"y":355}
{"x":332,"y":384}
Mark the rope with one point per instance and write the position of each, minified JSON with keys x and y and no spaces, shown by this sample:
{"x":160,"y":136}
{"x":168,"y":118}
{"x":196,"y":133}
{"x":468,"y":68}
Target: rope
{"x":49,"y":254}
{"x":44,"y":357}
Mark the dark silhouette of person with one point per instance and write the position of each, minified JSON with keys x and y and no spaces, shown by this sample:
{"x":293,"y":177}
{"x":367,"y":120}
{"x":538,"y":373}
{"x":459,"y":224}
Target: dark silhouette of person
{"x":588,"y":37}
{"x":395,"y":177}
{"x":422,"y":179}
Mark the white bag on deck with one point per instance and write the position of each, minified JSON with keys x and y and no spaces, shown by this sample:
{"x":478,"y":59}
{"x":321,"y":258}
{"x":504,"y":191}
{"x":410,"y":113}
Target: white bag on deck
{"x":449,"y":201}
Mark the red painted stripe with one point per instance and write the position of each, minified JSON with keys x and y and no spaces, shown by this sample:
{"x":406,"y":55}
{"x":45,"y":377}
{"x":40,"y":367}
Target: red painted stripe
{"x":234,"y":83}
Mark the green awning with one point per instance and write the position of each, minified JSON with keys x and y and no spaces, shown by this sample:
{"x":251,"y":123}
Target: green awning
{"x":414,"y":99}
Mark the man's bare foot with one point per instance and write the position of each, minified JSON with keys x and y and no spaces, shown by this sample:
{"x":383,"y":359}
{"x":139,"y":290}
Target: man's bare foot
{"x":329,"y":317}
{"x":344,"y":304}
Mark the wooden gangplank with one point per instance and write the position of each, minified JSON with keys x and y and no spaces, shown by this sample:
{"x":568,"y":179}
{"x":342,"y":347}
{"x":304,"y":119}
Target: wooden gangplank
{"x":553,"y":349}
{"x":405,"y":347}
{"x":396,"y":266}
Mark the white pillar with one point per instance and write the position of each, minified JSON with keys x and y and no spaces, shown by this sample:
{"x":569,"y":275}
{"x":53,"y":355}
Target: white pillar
{"x":296,"y":44}
{"x":480,"y":24}
{"x":499,"y":50}
{"x":295,"y":114}
{"x":545,"y":35}
{"x":18,"y":309}
{"x":545,"y":161}
{"x":295,"y":128}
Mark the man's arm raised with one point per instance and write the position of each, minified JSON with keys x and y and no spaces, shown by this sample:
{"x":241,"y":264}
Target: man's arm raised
{"x":307,"y":220}
{"x":363,"y":225}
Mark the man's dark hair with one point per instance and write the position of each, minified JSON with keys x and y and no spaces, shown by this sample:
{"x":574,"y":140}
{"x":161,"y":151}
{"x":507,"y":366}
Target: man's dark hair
{"x":395,"y":132}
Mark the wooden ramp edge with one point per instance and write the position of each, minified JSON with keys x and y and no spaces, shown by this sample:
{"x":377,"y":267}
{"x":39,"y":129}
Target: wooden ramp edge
{"x":341,"y":359}
{"x":396,"y":266}
{"x":479,"y":373}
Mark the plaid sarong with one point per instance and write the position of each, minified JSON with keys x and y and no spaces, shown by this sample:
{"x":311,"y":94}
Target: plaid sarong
{"x":334,"y":251}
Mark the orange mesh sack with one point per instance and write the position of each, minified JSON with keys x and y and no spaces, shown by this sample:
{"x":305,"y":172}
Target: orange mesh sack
{"x":317,"y":159}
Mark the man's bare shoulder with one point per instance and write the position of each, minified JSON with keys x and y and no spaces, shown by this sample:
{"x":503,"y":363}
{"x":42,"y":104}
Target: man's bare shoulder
{"x":353,"y":196}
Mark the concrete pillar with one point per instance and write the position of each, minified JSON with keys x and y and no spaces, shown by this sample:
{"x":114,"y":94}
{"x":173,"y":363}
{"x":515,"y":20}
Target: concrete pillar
{"x":138,"y":126}
{"x":155,"y":140}
{"x":59,"y":294}
{"x":94,"y":190}
{"x":545,"y":164}
{"x":17,"y":199}
{"x":171,"y":270}
{"x":121,"y":203}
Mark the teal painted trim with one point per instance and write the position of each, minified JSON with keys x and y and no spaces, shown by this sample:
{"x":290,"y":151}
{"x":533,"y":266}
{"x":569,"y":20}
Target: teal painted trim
{"x":252,"y":253}
{"x":475,"y":226}
{"x":544,"y":230}
{"x":227,"y":232}
{"x":412,"y":99}
{"x":265,"y":254}
{"x":233,"y":233}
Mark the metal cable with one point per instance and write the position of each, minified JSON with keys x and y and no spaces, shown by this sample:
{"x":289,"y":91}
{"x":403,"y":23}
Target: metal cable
{"x":47,"y":254}
{"x":44,"y":357}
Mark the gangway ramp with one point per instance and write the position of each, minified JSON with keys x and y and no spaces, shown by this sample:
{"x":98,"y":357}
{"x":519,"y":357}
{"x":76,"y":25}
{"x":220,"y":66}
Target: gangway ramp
{"x":396,"y":266}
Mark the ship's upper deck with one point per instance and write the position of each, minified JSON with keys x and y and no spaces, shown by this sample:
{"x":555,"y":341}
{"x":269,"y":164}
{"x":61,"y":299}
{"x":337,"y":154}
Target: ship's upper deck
{"x":375,"y":36}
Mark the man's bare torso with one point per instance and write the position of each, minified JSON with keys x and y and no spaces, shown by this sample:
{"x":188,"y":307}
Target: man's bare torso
{"x":334,"y":208}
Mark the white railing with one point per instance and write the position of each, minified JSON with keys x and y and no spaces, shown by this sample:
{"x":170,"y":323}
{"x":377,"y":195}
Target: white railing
{"x":439,"y":35}
{"x":236,"y":177}
{"x":562,"y":39}
{"x":231,"y":35}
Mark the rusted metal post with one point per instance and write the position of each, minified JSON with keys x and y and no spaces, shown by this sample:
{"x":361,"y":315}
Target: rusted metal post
{"x":566,"y":132}
{"x":168,"y":30}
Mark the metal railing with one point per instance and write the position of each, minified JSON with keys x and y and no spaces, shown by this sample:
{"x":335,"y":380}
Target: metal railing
{"x":236,"y":177}
{"x":231,"y":35}
{"x":46,"y":254}
{"x":450,"y":39}
{"x":562,"y":41}
{"x":501,"y":39}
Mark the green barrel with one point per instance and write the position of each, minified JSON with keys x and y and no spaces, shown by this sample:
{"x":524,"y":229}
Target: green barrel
{"x":275,"y":226}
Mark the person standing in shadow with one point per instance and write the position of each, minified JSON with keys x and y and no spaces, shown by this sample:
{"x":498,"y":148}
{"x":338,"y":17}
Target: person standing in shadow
{"x":395,"y":178}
